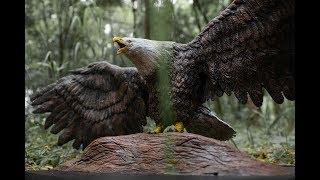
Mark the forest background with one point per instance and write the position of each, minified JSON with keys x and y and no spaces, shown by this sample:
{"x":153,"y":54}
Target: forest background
{"x":62,"y":35}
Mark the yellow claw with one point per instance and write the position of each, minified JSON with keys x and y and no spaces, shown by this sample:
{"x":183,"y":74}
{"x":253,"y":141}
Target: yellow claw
{"x":179,"y":126}
{"x":158,"y":129}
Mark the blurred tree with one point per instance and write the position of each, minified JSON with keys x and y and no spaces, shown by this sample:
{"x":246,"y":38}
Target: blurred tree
{"x":159,"y":20}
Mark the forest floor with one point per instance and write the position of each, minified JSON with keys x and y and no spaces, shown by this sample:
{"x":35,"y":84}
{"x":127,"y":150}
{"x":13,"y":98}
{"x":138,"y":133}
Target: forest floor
{"x":42,"y":152}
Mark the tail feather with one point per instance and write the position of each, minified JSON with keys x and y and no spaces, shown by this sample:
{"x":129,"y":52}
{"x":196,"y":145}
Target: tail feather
{"x":207,"y":124}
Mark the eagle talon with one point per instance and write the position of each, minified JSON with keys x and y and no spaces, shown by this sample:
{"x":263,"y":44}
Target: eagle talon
{"x":179,"y":126}
{"x":157,"y":130}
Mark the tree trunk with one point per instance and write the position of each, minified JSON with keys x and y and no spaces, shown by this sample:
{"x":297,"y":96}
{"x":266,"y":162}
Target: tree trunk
{"x":134,"y":12}
{"x":159,"y":20}
{"x":168,"y":153}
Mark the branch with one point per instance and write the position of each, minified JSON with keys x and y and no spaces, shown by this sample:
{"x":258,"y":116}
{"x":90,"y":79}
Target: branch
{"x":197,"y":16}
{"x":197,"y":4}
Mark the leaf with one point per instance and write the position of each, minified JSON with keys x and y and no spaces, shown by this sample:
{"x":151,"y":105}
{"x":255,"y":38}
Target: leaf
{"x":75,"y":23}
{"x":283,"y":114}
{"x":48,"y":56}
{"x":43,"y":64}
{"x":150,"y":126}
{"x":76,"y":49}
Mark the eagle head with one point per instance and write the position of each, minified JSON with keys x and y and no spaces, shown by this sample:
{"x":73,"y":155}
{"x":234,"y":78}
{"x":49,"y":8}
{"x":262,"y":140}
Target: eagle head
{"x":145,"y":54}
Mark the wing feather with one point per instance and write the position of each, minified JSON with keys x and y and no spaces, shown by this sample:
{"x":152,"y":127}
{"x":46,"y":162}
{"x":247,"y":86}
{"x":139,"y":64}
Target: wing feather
{"x":247,"y":47}
{"x":98,"y":100}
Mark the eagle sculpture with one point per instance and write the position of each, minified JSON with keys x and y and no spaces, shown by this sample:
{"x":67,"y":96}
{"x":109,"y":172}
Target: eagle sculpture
{"x":247,"y":47}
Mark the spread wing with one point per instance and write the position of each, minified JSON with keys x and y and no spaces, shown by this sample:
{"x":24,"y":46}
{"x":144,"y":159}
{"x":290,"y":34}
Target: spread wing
{"x":98,"y":100}
{"x":249,"y":46}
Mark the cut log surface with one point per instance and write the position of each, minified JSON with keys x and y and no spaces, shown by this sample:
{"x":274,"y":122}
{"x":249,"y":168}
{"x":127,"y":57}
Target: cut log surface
{"x":168,"y":153}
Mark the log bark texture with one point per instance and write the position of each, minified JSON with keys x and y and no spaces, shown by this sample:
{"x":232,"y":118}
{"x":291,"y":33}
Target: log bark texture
{"x":168,"y":153}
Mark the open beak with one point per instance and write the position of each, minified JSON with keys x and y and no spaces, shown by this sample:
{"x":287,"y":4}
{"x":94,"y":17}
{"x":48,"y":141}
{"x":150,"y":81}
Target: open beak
{"x":123,"y":46}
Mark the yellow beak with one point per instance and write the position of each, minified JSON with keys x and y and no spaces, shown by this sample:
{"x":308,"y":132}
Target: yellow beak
{"x":123,"y":46}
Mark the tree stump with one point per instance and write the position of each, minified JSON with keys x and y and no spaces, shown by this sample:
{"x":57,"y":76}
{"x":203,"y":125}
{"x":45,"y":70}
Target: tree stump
{"x":168,"y":153}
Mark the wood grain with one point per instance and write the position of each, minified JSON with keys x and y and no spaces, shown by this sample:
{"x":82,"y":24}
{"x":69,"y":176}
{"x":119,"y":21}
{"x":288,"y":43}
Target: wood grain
{"x":168,"y":153}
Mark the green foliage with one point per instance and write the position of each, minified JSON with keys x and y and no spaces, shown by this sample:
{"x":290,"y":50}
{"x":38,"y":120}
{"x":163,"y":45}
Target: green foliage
{"x":63,"y":35}
{"x":266,"y":133}
{"x":41,"y":149}
{"x":282,"y":155}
